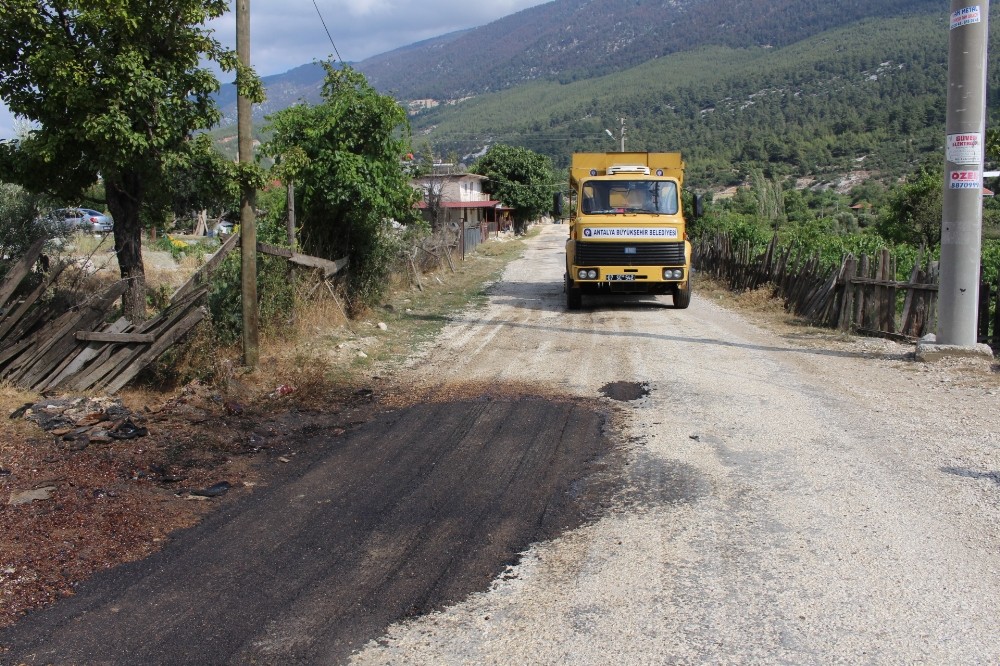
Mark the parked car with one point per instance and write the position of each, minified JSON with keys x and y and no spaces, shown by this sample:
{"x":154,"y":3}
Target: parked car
{"x":82,"y":219}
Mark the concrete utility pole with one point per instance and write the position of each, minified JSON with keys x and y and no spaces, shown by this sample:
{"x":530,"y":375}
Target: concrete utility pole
{"x":621,"y":134}
{"x":248,"y":222}
{"x":961,"y":223}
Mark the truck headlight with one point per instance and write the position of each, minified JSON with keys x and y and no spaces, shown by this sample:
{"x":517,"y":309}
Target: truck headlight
{"x":592,"y":274}
{"x":672,"y":274}
{"x":582,"y":274}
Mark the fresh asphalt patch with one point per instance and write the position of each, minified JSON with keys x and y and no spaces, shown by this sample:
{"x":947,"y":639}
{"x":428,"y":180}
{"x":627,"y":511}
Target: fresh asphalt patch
{"x":625,"y":391}
{"x":410,"y":512}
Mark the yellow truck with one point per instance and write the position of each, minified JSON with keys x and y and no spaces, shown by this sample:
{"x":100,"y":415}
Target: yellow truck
{"x":627,"y":233}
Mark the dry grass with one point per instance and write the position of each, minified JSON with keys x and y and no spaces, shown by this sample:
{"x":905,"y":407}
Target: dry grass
{"x":322,"y":352}
{"x":763,"y":308}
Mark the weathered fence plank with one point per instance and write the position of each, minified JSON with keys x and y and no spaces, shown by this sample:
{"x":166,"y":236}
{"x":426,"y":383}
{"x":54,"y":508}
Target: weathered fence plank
{"x":12,"y":318}
{"x":202,"y":273}
{"x":169,"y":337}
{"x":87,"y":354}
{"x":19,"y":271}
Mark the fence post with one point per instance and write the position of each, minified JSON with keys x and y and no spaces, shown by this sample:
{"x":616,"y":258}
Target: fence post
{"x":908,"y":301}
{"x":847,"y":297}
{"x":861,"y":307}
{"x":996,"y":316}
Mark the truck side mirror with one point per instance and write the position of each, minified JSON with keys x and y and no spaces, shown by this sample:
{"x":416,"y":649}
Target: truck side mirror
{"x":699,"y":205}
{"x":557,"y":205}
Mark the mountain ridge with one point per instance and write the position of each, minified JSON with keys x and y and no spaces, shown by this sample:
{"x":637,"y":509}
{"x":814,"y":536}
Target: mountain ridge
{"x":865,"y":94}
{"x":569,"y":40}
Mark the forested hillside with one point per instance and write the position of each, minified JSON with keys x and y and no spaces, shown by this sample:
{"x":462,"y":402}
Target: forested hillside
{"x":869,"y":96}
{"x":569,"y":40}
{"x":735,"y":84}
{"x":302,"y":84}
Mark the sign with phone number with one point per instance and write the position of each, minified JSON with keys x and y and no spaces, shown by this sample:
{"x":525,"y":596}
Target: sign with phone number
{"x":965,"y":180}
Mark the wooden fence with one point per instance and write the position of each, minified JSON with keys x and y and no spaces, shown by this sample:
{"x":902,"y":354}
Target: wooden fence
{"x":47,"y":346}
{"x":860,"y":295}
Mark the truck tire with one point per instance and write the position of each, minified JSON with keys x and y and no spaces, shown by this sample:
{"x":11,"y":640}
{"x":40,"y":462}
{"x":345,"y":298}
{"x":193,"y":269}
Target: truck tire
{"x":682,"y":295}
{"x":573,"y":297}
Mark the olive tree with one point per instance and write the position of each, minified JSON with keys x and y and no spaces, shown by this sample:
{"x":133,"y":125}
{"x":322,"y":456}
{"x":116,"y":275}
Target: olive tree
{"x":18,"y":222}
{"x":113,"y":89}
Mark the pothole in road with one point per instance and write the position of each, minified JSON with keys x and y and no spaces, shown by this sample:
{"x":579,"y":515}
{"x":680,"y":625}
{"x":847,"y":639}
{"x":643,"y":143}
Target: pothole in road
{"x":625,"y":391}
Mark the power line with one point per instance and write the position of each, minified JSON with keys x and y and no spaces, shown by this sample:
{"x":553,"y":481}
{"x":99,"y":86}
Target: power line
{"x":327,"y":31}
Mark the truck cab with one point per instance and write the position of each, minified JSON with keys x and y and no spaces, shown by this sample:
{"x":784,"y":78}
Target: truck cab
{"x":627,"y":231}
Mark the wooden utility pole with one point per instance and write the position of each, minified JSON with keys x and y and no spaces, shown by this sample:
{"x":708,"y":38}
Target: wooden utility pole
{"x":248,"y":222}
{"x":962,"y":220}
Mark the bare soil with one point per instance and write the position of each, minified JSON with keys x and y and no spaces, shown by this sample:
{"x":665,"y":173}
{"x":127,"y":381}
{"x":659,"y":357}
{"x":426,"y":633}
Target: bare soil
{"x":105,"y":503}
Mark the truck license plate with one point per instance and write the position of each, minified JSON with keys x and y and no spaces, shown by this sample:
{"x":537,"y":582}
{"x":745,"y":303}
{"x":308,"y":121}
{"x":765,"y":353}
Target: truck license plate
{"x":620,"y":277}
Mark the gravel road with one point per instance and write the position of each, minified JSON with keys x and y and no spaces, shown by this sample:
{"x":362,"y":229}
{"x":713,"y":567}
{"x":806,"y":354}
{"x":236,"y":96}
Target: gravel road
{"x":698,"y":489}
{"x":791,"y":498}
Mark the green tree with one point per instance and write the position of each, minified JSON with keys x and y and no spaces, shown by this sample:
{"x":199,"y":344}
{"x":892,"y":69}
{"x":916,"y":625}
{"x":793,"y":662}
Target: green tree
{"x":913,"y":214}
{"x":743,"y":202}
{"x":770,"y":201}
{"x":518,"y":178}
{"x":196,"y":177}
{"x":115,"y":88}
{"x":345,"y":156}
{"x":18,"y":226}
{"x":992,"y":145}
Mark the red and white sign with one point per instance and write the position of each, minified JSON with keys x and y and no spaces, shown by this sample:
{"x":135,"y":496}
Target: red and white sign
{"x":966,"y":16}
{"x":965,"y":149}
{"x":965,"y":180}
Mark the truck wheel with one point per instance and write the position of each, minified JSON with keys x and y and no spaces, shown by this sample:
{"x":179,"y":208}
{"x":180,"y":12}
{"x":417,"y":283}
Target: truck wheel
{"x":682,"y":295}
{"x":573,"y":297}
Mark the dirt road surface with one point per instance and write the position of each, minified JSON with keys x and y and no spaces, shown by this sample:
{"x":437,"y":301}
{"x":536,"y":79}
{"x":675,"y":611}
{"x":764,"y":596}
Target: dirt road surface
{"x":790,"y":499}
{"x":771,"y":497}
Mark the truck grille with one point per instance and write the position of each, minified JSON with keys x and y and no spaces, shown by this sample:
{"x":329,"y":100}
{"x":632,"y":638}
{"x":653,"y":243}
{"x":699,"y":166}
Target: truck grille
{"x":638,"y":254}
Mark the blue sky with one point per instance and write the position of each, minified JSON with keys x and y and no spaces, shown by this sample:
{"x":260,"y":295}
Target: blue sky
{"x":288,"y":33}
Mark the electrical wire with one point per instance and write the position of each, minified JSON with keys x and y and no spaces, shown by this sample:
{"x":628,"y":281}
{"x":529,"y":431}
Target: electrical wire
{"x":327,"y":31}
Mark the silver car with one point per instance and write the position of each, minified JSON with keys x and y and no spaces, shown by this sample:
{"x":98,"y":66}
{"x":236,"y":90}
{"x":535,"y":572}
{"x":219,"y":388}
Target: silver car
{"x":83,"y":219}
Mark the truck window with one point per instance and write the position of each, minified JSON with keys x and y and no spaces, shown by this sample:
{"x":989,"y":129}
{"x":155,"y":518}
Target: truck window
{"x":666,"y":201}
{"x":603,"y":197}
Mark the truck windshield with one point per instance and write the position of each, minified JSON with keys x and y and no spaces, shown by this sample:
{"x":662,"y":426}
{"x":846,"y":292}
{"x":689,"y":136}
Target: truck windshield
{"x":606,"y":197}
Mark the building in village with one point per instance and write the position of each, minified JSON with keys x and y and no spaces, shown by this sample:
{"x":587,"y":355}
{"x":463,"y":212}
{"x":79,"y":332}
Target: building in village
{"x":457,"y":200}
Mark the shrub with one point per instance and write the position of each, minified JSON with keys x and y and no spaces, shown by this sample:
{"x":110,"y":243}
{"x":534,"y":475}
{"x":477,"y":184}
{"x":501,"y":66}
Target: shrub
{"x":19,"y":227}
{"x":275,"y":297}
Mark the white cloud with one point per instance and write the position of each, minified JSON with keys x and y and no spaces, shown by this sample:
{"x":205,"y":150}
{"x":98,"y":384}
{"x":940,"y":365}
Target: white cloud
{"x":288,"y":33}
